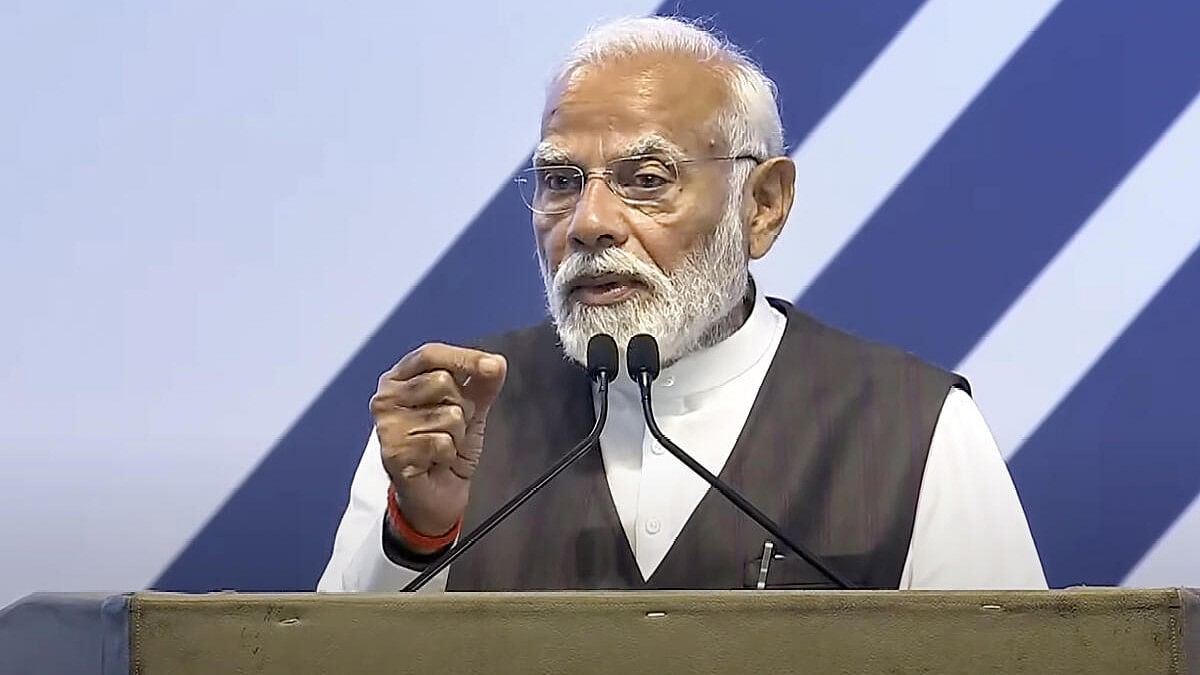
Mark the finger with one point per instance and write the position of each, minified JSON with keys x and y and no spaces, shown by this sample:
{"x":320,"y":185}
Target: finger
{"x":483,"y":389}
{"x":462,"y":362}
{"x":464,"y":464}
{"x":421,"y":453}
{"x":435,"y":448}
{"x":448,"y":419}
{"x":436,"y":387}
{"x":406,"y":458}
{"x":395,"y":427}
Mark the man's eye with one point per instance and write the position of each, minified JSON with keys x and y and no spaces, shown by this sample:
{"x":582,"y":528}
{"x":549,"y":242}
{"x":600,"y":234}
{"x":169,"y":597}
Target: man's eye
{"x":645,"y":180}
{"x":559,"y":181}
{"x":645,"y":183}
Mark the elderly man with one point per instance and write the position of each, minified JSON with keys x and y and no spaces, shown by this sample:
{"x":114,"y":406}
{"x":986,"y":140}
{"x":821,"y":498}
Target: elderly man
{"x":660,"y":173}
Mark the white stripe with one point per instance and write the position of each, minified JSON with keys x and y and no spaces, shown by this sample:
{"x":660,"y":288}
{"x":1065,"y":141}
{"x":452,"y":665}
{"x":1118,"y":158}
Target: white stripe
{"x":1172,"y":561}
{"x":886,"y":122}
{"x":1096,"y":285}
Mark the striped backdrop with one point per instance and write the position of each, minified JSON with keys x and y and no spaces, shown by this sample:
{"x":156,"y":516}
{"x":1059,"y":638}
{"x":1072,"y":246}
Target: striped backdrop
{"x":224,"y":220}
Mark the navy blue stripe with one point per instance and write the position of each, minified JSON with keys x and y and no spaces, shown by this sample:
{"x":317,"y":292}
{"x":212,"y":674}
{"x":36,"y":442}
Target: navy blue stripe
{"x":1119,"y":460}
{"x":813,"y":50}
{"x":275,"y":531}
{"x":1014,"y":177}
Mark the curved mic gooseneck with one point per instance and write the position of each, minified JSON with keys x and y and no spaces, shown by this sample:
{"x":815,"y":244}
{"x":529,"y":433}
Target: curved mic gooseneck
{"x":603,"y":365}
{"x":643,"y":366}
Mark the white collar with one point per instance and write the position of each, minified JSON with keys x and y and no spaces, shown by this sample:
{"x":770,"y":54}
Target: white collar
{"x":708,"y":369}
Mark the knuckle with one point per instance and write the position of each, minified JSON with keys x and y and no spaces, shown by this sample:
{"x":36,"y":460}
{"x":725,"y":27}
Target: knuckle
{"x":380,"y":401}
{"x":430,"y":351}
{"x":420,"y":356}
{"x":428,"y":417}
{"x":442,"y":379}
{"x":443,"y":444}
{"x":410,"y":388}
{"x":428,"y":447}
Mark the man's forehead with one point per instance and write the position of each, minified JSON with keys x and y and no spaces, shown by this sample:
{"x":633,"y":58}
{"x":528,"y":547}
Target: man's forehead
{"x":647,"y":103}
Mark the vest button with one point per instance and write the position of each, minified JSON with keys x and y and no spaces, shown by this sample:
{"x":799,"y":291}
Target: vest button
{"x":653,"y":526}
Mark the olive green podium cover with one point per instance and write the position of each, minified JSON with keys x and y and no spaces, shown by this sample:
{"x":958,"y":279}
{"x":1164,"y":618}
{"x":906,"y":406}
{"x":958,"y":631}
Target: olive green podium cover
{"x":1074,"y":631}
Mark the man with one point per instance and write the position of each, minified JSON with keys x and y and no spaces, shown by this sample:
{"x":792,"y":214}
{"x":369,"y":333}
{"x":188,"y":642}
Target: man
{"x":660,"y":174}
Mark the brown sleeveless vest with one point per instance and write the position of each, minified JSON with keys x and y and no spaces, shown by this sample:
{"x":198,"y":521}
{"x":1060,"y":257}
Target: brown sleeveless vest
{"x":833,"y":451}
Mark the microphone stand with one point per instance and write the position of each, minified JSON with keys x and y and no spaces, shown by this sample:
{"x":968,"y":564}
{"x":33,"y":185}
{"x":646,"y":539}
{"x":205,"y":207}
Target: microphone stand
{"x":644,"y":379}
{"x":513,"y":504}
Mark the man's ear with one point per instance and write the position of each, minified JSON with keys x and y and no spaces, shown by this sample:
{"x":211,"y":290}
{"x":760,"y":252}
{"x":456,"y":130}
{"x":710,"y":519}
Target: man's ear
{"x":769,"y":194}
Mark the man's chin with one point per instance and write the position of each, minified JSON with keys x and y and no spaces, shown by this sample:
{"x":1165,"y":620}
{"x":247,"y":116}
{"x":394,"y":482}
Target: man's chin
{"x":584,"y":321}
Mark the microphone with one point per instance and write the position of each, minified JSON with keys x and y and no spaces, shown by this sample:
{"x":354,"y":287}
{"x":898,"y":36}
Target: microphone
{"x":643,"y":362}
{"x":603,"y":364}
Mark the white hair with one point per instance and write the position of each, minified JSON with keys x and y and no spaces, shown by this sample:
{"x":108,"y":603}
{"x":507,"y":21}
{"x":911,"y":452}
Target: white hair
{"x":749,"y":121}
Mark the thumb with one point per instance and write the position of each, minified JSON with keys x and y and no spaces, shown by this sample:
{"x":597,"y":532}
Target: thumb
{"x":486,"y":381}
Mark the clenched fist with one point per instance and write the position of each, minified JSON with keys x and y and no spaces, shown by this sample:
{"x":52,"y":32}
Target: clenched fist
{"x":430,"y":411}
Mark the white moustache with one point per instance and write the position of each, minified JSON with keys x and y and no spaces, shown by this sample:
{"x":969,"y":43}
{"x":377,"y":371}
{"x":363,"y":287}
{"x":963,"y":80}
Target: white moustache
{"x":579,"y":266}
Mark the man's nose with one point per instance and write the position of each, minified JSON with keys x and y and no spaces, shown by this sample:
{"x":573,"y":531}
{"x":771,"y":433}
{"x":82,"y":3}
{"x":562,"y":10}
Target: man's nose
{"x":599,"y":219}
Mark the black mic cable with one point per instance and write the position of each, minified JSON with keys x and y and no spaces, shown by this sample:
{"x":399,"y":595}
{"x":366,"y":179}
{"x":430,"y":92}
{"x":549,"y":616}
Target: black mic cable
{"x":603,"y":364}
{"x":643,"y":366}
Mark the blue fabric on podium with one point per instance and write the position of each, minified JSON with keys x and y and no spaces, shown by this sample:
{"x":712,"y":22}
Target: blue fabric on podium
{"x":66,"y":634}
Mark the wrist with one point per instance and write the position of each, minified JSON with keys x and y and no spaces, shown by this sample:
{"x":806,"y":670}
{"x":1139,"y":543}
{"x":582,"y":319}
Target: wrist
{"x":416,"y":535}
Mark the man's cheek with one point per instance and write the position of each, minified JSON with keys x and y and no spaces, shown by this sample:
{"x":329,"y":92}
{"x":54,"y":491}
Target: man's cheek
{"x":547,"y":259}
{"x":661,"y":249}
{"x":550,"y":249}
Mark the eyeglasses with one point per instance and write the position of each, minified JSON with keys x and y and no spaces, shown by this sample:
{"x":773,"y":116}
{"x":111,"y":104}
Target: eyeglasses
{"x":552,"y":190}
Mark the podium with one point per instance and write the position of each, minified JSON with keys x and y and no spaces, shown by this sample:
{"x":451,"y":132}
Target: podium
{"x":1095,"y":631}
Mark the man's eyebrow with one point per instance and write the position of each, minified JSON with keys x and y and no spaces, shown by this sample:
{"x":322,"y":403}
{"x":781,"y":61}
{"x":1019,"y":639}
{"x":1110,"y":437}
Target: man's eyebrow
{"x":548,"y":153}
{"x":653,"y":144}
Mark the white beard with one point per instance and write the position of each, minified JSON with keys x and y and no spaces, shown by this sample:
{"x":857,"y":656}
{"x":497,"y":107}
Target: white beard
{"x":688,"y":309}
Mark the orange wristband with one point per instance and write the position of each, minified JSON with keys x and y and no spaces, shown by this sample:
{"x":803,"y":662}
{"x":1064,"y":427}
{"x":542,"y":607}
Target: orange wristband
{"x":418,"y":542}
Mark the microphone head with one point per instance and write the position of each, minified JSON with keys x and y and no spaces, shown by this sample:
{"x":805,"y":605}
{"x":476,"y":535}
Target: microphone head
{"x":602,"y":358}
{"x":642,"y":356}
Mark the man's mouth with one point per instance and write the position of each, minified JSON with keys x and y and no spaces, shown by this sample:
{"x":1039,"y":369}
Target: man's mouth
{"x":607,"y":289}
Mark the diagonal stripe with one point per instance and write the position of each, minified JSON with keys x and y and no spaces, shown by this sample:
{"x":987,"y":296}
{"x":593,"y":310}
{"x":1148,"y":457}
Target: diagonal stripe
{"x":1116,"y":463}
{"x":850,"y":163}
{"x":814,"y":51}
{"x":281,"y":528}
{"x":1172,"y":561}
{"x":1014,"y":177}
{"x":1086,"y":297}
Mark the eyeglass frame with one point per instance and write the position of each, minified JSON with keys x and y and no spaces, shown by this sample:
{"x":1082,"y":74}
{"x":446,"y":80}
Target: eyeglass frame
{"x":607,"y":172}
